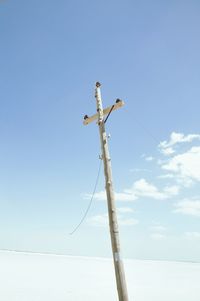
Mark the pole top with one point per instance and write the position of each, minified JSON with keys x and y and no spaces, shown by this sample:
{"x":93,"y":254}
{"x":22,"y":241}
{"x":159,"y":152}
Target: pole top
{"x":98,"y":84}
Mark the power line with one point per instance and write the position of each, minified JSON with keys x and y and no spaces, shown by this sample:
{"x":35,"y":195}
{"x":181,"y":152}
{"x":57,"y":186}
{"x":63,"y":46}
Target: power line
{"x":146,"y":130}
{"x":91,"y":200}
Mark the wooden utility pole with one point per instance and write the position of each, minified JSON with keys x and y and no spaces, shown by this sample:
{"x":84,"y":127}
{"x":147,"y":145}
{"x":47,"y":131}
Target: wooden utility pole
{"x":114,"y":231}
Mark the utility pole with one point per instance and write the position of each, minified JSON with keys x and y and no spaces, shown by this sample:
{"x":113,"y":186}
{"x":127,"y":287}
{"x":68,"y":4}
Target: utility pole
{"x":114,"y":231}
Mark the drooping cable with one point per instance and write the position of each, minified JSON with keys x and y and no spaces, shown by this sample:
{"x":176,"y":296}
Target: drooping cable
{"x":91,"y":200}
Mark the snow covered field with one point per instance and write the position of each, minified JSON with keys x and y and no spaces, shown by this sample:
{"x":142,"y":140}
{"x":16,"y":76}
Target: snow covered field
{"x":41,"y":277}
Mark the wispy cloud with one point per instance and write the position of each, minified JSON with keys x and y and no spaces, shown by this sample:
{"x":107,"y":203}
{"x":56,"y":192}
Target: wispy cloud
{"x":188,"y":207}
{"x":128,"y":221}
{"x":125,"y":210}
{"x":101,"y":220}
{"x":181,"y":170}
{"x":157,"y":236}
{"x":166,"y":176}
{"x":192,"y":235}
{"x":149,"y":158}
{"x":186,"y":166}
{"x":140,"y":170}
{"x":168,"y":147}
{"x":140,"y":188}
{"x":158,"y":231}
{"x":158,"y":228}
{"x":119,"y":196}
{"x":125,"y":218}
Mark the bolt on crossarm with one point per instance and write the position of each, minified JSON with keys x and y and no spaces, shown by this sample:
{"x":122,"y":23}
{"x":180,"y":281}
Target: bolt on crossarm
{"x":114,"y":230}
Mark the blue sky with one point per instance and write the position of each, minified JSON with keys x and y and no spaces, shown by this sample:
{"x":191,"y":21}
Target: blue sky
{"x":146,"y":53}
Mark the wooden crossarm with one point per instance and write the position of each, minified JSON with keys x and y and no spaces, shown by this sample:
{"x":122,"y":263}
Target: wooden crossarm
{"x":92,"y":118}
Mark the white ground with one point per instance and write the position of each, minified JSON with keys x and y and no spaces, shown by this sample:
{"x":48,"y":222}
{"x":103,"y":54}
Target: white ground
{"x":39,"y":277}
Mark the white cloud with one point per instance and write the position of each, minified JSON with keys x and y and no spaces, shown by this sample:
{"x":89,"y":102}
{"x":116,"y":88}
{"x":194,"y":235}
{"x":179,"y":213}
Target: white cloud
{"x":188,"y":207}
{"x":125,"y":210}
{"x":171,"y":190}
{"x":167,"y":151}
{"x":158,"y":231}
{"x":140,"y":170}
{"x":101,"y":220}
{"x":166,"y":176}
{"x":142,"y":188}
{"x":167,"y":147}
{"x":192,"y":235}
{"x":99,"y":196}
{"x":158,"y":228}
{"x":119,"y":196}
{"x":128,"y":222}
{"x":123,"y":196}
{"x":157,"y":236}
{"x":150,"y":158}
{"x":185,"y":166}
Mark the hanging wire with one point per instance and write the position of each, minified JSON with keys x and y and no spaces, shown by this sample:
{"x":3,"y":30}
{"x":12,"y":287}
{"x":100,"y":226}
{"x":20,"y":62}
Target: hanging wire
{"x":146,"y":130}
{"x":90,"y":203}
